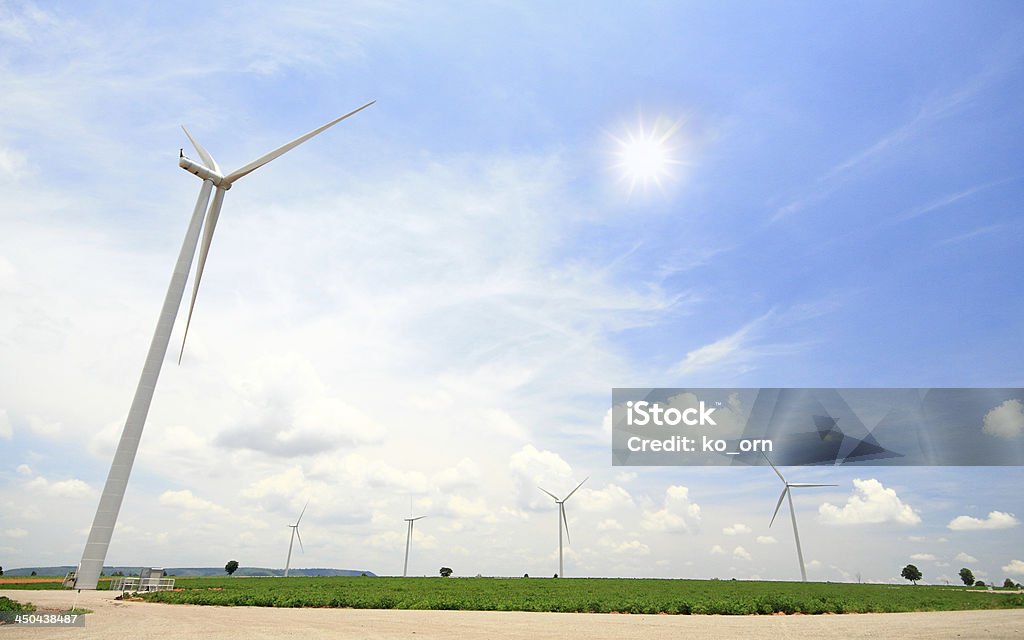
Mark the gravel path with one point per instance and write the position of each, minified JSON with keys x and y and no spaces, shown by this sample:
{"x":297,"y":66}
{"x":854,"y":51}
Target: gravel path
{"x":143,"y":620}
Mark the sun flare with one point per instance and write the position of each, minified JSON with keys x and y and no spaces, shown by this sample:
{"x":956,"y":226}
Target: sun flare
{"x":647,"y":156}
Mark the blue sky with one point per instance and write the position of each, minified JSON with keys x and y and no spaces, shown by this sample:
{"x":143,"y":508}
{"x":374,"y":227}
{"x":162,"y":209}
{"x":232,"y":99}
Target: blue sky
{"x":432,"y":301}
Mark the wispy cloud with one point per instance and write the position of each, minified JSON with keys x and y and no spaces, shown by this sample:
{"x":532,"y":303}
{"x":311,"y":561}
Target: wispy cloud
{"x":933,"y":111}
{"x":946,"y":200}
{"x":734,"y":348}
{"x":962,"y":237}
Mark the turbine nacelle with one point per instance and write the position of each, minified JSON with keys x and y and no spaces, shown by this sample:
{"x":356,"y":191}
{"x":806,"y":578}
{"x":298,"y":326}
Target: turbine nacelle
{"x":203,"y":172}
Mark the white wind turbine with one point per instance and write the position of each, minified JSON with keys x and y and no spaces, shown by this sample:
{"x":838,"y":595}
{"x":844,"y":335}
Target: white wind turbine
{"x":295,"y":534}
{"x":786,"y":493}
{"x":103,"y":523}
{"x":408,"y":539}
{"x":562,"y":519}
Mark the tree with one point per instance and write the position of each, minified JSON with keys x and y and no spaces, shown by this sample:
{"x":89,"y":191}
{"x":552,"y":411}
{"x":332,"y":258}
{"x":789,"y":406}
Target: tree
{"x":231,"y":567}
{"x":979,"y":583}
{"x":912,"y":573}
{"x":1,"y":571}
{"x":33,"y":573}
{"x":1008,"y":584}
{"x":445,"y":572}
{"x":967,"y":576}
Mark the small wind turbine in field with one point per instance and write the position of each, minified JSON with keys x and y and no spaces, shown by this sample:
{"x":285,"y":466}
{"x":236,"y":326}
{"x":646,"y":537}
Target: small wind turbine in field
{"x":295,"y":534}
{"x":787,"y":493}
{"x":408,"y":540}
{"x":562,"y":519}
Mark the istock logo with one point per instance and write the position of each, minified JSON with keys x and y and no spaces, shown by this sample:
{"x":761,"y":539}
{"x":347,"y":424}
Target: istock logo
{"x":644,"y":413}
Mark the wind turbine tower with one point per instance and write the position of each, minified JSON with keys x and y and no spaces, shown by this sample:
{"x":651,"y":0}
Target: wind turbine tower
{"x":562,"y":520}
{"x":408,"y":540}
{"x":787,"y":493}
{"x":295,"y":534}
{"x":209,"y":171}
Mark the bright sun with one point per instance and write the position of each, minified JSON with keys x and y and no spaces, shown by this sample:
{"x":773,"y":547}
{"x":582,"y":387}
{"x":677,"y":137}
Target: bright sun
{"x":647,"y":156}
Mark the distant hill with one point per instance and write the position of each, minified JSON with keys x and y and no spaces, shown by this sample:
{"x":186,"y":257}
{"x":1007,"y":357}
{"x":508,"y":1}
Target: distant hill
{"x":191,"y":572}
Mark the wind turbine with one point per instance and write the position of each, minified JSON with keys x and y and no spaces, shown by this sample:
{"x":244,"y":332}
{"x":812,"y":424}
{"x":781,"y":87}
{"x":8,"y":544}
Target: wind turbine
{"x":295,"y":534}
{"x":102,"y":530}
{"x":562,"y":519}
{"x":408,"y":539}
{"x":786,"y":493}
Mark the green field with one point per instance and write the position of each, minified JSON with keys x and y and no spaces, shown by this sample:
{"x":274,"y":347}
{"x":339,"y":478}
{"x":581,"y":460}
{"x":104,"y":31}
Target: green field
{"x":598,"y":595}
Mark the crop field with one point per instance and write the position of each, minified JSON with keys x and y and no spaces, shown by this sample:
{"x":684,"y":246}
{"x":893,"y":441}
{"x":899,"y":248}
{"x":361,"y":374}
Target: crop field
{"x":595,"y":595}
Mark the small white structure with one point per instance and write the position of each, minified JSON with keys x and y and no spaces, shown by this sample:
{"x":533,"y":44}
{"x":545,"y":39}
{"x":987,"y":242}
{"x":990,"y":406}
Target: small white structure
{"x":149,"y":580}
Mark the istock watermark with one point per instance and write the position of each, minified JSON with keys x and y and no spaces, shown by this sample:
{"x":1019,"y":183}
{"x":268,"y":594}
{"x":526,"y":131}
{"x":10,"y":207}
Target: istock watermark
{"x":899,"y":426}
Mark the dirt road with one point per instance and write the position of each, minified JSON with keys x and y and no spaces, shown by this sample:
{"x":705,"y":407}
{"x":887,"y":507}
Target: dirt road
{"x":142,"y":621}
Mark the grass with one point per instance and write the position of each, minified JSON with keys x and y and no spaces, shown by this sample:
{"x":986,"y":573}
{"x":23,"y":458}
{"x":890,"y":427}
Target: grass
{"x":597,"y":595}
{"x":6,"y":604}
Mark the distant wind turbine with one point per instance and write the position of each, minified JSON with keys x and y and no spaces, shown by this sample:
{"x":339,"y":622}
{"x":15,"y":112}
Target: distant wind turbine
{"x":408,"y":540}
{"x":95,"y":553}
{"x":786,"y":493}
{"x":295,"y":534}
{"x":562,"y":519}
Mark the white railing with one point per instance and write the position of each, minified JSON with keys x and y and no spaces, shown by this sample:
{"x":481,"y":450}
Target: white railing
{"x":135,"y":583}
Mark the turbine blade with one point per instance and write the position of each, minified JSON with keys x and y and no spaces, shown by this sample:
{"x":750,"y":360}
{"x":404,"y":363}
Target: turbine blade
{"x":806,"y":484}
{"x":774,"y":468}
{"x":203,"y":153}
{"x":417,"y":518}
{"x":302,"y":514}
{"x":204,"y":250}
{"x":561,"y":507}
{"x":280,"y":151}
{"x":549,"y":493}
{"x":782,"y":497}
{"x":577,"y":487}
{"x":299,"y":536}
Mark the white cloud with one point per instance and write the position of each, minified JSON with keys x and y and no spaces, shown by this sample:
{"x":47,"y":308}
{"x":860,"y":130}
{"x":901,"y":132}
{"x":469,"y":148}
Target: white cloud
{"x":922,"y":557}
{"x":1015,"y":567}
{"x":17,"y":532}
{"x":464,"y":507}
{"x":45,"y":428}
{"x":717,"y":550}
{"x":184,"y":499}
{"x":532,"y":468}
{"x":871,"y":503}
{"x":633,"y":547}
{"x":995,"y":520}
{"x":736,"y":530}
{"x":740,"y":553}
{"x":24,"y":470}
{"x":624,"y":476}
{"x":609,"y":524}
{"x":725,"y":351}
{"x":464,"y":474}
{"x":965,"y":557}
{"x":766,"y":540}
{"x":13,"y":166}
{"x":611,"y":498}
{"x":70,"y":488}
{"x":1005,"y":421}
{"x":677,"y":515}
